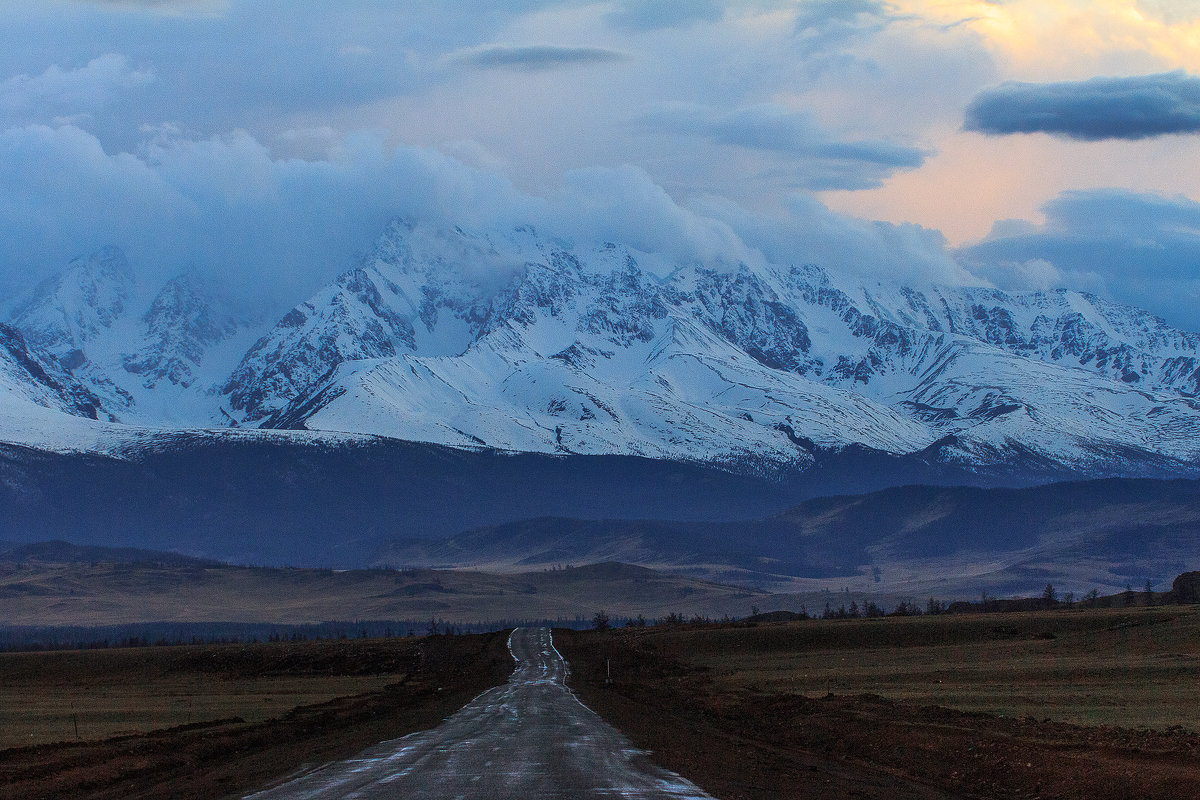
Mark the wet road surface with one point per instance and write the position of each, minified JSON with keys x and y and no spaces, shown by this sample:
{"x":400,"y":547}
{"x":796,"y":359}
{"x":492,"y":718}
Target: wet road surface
{"x":528,"y":739}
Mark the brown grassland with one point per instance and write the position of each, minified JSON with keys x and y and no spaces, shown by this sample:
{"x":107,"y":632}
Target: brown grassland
{"x":210,"y":721}
{"x":97,"y":694}
{"x":1065,"y":704}
{"x":120,"y":594}
{"x":1056,"y":704}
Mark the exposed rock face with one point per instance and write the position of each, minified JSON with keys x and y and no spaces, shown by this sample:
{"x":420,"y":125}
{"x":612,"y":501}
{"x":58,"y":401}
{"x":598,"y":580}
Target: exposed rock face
{"x":66,"y":312}
{"x":183,"y":321}
{"x":29,"y":375}
{"x":511,"y":340}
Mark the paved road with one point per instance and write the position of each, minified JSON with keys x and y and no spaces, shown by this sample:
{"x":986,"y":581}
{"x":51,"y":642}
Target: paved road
{"x":528,"y":739}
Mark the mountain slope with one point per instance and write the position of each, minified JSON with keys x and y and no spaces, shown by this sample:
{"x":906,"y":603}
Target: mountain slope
{"x":160,"y":367}
{"x":516,"y":341}
{"x":1077,"y":535}
{"x":65,"y":312}
{"x":582,"y":350}
{"x":27,"y":377}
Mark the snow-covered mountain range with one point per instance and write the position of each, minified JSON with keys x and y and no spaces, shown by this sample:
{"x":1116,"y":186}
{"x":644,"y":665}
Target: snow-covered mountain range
{"x":515,"y":341}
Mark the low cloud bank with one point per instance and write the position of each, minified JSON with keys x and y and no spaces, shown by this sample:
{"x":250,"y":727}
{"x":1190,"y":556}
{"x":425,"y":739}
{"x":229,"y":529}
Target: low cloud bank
{"x":275,"y":228}
{"x":1140,"y":249}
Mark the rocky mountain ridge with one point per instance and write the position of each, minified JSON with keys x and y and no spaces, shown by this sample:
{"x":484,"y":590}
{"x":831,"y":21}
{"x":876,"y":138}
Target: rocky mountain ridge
{"x":517,"y":341}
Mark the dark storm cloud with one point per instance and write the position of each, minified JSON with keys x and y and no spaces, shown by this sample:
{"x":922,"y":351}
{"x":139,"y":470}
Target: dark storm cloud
{"x":818,"y":160}
{"x":535,"y":57}
{"x":1141,"y":249}
{"x":1101,"y":108}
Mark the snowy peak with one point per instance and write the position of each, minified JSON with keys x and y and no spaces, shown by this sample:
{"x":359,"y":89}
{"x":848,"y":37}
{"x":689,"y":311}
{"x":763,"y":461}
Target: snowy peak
{"x":155,"y":365}
{"x":510,"y":340}
{"x":420,"y":291}
{"x":747,"y":312}
{"x":507,"y":340}
{"x":1070,"y":328}
{"x":185,"y":319}
{"x":26,"y":376}
{"x":67,"y":311}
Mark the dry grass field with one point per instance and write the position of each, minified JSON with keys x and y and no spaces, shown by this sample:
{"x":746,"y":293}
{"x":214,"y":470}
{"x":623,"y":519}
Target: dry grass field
{"x":1137,"y":667}
{"x":108,"y":594}
{"x":97,"y":694}
{"x":1088,"y":704}
{"x":215,"y":721}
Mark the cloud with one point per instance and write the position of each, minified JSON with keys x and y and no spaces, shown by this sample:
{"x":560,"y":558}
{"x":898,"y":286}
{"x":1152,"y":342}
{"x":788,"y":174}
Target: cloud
{"x":1100,"y":108}
{"x":827,"y":25}
{"x":625,"y":205}
{"x":647,"y":15}
{"x":823,"y":14}
{"x":534,"y":57}
{"x":310,"y":144}
{"x":819,"y":160}
{"x":246,"y":65}
{"x":273,"y":229}
{"x":810,"y":233}
{"x":172,"y":8}
{"x":90,"y":86}
{"x":269,"y":228}
{"x":1171,"y":12}
{"x":1140,"y":249}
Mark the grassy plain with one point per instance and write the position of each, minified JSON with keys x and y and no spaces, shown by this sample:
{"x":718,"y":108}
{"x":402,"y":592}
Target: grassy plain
{"x":1091,"y":704}
{"x":1137,"y":667}
{"x":214,"y":721}
{"x":109,"y":594}
{"x":96,"y":694}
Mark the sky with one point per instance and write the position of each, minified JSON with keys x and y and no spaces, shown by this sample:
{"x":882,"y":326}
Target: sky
{"x":1022,"y":144}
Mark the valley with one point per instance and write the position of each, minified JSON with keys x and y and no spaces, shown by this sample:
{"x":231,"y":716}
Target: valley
{"x":594,"y":398}
{"x":84,"y":595}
